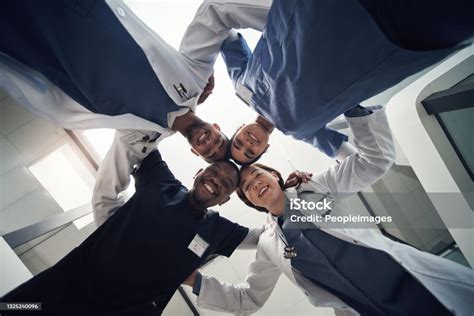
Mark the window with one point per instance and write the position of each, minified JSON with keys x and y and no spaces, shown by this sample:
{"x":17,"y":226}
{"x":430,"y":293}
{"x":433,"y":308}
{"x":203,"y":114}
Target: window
{"x":66,"y":179}
{"x":454,"y":110}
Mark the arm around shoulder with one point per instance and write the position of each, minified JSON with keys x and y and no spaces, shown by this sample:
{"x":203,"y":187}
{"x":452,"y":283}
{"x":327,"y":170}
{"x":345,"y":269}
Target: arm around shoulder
{"x":247,"y":297}
{"x":214,"y":20}
{"x":251,"y":240}
{"x":375,"y":154}
{"x":113,"y":176}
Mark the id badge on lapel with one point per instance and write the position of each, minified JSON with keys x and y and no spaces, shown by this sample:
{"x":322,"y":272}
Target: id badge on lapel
{"x":198,"y":245}
{"x":243,"y":93}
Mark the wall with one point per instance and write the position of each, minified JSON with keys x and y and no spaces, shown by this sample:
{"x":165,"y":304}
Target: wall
{"x":12,"y":271}
{"x":24,"y":139}
{"x":437,"y":168}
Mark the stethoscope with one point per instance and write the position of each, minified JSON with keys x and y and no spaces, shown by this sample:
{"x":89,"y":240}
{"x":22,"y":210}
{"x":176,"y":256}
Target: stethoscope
{"x":289,"y":251}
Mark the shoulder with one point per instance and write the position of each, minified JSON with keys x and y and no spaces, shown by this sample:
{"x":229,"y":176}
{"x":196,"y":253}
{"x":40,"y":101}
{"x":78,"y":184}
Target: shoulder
{"x":311,"y":186}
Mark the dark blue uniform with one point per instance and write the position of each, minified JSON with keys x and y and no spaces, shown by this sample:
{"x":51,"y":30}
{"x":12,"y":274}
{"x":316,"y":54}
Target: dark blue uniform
{"x":136,"y":260}
{"x":81,"y":47}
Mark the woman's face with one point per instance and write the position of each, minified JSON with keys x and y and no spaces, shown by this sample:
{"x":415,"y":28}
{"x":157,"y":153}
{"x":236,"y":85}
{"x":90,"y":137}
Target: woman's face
{"x":260,"y":186}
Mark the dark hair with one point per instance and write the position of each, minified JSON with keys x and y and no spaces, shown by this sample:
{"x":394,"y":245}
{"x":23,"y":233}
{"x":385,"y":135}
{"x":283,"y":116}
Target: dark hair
{"x":227,"y":151}
{"x":241,"y":193}
{"x":243,"y":164}
{"x":234,"y":166}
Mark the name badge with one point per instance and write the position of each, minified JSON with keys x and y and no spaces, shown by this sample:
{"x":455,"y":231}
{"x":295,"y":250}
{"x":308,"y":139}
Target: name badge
{"x":243,"y":93}
{"x":198,"y":246}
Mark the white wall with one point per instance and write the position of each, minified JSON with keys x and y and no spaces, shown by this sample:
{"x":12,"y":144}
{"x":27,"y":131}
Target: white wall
{"x":24,"y":138}
{"x":409,"y":122}
{"x":12,"y":271}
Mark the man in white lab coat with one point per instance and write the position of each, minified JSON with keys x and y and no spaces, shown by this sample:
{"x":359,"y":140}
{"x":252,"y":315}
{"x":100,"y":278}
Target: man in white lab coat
{"x":317,"y":59}
{"x":351,"y":270}
{"x":95,"y":52}
{"x":95,"y":64}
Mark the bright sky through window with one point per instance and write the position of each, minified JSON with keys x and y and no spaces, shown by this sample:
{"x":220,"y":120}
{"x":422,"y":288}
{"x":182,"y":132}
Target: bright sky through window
{"x":66,"y":179}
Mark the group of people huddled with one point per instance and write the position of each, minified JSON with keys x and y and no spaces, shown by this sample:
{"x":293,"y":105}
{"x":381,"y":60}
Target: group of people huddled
{"x":95,"y":64}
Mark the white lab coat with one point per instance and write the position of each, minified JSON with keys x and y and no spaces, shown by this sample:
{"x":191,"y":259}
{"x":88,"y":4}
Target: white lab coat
{"x":38,"y":95}
{"x":41,"y":97}
{"x":215,"y":21}
{"x":191,"y":66}
{"x":199,"y":49}
{"x":450,"y":283}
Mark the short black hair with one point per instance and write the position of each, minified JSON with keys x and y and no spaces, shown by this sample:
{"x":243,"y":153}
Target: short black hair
{"x":243,"y":164}
{"x":234,"y":166}
{"x":227,"y":150}
{"x":241,"y":194}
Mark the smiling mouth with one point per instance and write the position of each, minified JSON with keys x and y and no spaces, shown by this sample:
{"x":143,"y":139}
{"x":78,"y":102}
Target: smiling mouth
{"x":210,"y":187}
{"x":263,"y":190}
{"x":253,"y":137}
{"x":204,"y":138}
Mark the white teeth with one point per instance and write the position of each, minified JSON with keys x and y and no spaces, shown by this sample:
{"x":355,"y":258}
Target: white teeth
{"x":263,"y":190}
{"x":209,"y":187}
{"x":255,"y":139}
{"x":202,"y":137}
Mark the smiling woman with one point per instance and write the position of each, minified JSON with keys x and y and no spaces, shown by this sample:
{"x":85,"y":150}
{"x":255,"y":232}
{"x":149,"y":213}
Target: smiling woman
{"x":260,"y":186}
{"x":170,"y":20}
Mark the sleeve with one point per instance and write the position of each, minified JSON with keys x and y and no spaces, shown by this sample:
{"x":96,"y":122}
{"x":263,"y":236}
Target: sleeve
{"x":236,"y":55}
{"x":197,"y":283}
{"x":113,"y":177}
{"x":328,"y":141}
{"x":213,"y":21}
{"x":374,"y":157}
{"x":251,"y":239}
{"x":231,"y":235}
{"x":358,"y":111}
{"x":153,"y":170}
{"x":246,"y":297}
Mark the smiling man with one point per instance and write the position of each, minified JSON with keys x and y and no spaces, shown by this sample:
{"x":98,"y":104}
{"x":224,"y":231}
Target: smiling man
{"x":134,"y":262}
{"x":95,"y":64}
{"x":318,"y":59}
{"x":250,"y":141}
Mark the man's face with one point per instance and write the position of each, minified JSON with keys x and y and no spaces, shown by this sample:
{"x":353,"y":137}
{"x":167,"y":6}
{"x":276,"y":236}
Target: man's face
{"x":208,"y":141}
{"x":214,"y":185}
{"x":250,"y":141}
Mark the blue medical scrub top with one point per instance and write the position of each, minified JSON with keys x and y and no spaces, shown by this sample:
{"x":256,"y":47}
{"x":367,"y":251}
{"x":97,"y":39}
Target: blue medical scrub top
{"x":317,"y":59}
{"x":141,"y":253}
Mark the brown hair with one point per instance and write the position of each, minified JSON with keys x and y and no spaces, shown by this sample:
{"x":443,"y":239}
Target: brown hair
{"x":241,"y":193}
